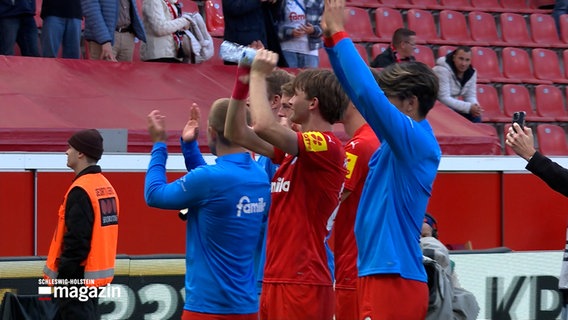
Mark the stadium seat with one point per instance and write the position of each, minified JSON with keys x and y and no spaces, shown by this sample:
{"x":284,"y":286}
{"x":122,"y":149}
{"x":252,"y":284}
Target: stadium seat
{"x":565,"y":62}
{"x":324,"y":59}
{"x":378,"y":48}
{"x":422,"y":22}
{"x":400,"y":4}
{"x":485,"y":61}
{"x":551,"y":140}
{"x":514,"y":30}
{"x":547,"y":65}
{"x":362,"y":52}
{"x":516,"y":98}
{"x":426,"y":4}
{"x":214,"y":19}
{"x":549,"y":102}
{"x":489,"y":100}
{"x":189,"y":6}
{"x":444,"y":50}
{"x":387,"y":20}
{"x":543,"y":30}
{"x":453,"y":29}
{"x":484,"y":29}
{"x":564,"y":28}
{"x":487,"y":5}
{"x":424,"y":54}
{"x":517,"y":65}
{"x":358,"y":25}
{"x":517,"y":6}
{"x":459,"y":5}
{"x":364,"y":3}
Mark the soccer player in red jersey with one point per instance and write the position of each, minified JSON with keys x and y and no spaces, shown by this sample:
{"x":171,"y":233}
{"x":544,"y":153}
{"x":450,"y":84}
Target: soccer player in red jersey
{"x":358,"y":152}
{"x":305,"y":189}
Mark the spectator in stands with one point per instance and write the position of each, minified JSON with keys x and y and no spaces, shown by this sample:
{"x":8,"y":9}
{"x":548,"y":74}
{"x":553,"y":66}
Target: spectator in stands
{"x":305,"y":189}
{"x":300,"y":33}
{"x":463,"y":304}
{"x":61,"y":28}
{"x":226,"y":202}
{"x":102,"y":24}
{"x":250,"y":21}
{"x":392,"y":281}
{"x":165,"y":24}
{"x":401,"y":49}
{"x":458,"y":83}
{"x":17,"y":25}
{"x":521,"y":140}
{"x":560,"y":8}
{"x":84,"y":243}
{"x":128,"y":28}
{"x":358,"y":152}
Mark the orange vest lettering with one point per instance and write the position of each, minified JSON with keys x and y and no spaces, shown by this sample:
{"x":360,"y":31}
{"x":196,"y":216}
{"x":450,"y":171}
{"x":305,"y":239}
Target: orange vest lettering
{"x":99,"y":265}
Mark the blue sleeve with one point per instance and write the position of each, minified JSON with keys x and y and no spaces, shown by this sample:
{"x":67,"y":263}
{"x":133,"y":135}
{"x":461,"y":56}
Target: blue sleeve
{"x":93,"y":12}
{"x":191,"y":155}
{"x":388,"y":123}
{"x":182,"y":193}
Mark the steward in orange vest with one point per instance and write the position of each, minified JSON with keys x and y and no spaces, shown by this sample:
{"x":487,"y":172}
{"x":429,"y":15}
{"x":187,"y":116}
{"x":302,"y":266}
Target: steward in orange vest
{"x":83,"y":248}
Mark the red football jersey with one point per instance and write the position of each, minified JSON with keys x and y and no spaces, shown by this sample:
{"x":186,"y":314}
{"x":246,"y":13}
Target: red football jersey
{"x":305,"y":194}
{"x":358,"y":152}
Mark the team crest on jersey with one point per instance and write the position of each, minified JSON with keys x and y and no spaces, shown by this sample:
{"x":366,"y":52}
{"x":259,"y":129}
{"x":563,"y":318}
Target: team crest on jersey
{"x":314,"y":141}
{"x":351,"y":159}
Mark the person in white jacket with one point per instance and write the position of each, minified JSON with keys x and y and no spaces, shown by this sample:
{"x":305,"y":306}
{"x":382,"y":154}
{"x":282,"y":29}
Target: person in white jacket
{"x":457,"y":83}
{"x":164,"y":23}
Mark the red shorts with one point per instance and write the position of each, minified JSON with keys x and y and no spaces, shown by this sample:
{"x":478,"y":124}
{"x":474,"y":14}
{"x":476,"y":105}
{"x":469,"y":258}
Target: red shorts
{"x":296,"y":301}
{"x":346,"y":306}
{"x":190,"y":315}
{"x":387,"y":297}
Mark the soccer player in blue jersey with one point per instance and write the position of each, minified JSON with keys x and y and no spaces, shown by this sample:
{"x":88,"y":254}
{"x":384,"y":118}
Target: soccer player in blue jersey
{"x":226,"y":204}
{"x":392,"y":281}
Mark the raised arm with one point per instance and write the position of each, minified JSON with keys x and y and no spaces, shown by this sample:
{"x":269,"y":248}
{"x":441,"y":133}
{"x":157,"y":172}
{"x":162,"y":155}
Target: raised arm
{"x":191,"y":153}
{"x":236,"y":126}
{"x":265,"y":123}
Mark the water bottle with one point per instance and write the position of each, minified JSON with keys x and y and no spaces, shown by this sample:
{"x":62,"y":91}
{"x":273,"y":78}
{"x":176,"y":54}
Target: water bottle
{"x":234,"y":52}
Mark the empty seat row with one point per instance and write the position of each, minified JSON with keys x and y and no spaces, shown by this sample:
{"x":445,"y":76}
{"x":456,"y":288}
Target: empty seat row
{"x":480,"y":28}
{"x":548,"y":104}
{"x":519,"y":6}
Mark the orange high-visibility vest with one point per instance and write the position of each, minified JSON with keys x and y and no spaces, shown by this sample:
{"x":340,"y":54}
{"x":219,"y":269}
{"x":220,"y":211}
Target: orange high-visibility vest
{"x":99,"y":265}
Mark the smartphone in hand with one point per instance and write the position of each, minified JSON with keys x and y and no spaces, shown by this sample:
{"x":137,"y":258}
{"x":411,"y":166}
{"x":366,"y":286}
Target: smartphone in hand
{"x":519,"y":117}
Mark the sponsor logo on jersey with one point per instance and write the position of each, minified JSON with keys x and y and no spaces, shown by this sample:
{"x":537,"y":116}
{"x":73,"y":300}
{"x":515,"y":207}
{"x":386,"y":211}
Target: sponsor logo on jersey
{"x":280,"y":185}
{"x":248,"y":207}
{"x":314,"y":141}
{"x":351,"y":160}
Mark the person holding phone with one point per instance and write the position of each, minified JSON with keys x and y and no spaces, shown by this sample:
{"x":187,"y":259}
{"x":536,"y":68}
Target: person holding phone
{"x":521,"y":140}
{"x":300,"y":33}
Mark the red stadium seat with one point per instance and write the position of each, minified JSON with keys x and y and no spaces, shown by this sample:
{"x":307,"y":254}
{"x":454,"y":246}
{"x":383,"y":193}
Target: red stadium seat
{"x":485,"y":61}
{"x":516,"y":65}
{"x":358,"y":25}
{"x":422,"y":22}
{"x":518,"y":6}
{"x":214,"y":19}
{"x":424,"y":54}
{"x":517,"y":98}
{"x":362,"y":52}
{"x":484,"y":29}
{"x":453,"y":29}
{"x":547,"y":66}
{"x":400,"y":4}
{"x":489,"y":100}
{"x":549,"y":102}
{"x":378,"y":48}
{"x":189,"y":6}
{"x":565,"y":62}
{"x":324,"y":59}
{"x":459,"y":5}
{"x":551,"y":140}
{"x":387,"y":20}
{"x":543,"y":30}
{"x":487,"y":5}
{"x":564,"y":28}
{"x":444,"y":50}
{"x":426,"y":4}
{"x":364,"y":3}
{"x":514,"y":30}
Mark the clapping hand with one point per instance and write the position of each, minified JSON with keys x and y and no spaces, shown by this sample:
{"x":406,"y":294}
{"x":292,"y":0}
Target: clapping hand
{"x":157,"y":126}
{"x":190,"y":131}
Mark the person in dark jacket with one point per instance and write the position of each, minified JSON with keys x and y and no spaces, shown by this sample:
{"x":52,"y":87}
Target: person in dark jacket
{"x":17,"y":25}
{"x":401,"y":49}
{"x":521,"y":140}
{"x":61,"y":28}
{"x":252,"y":21}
